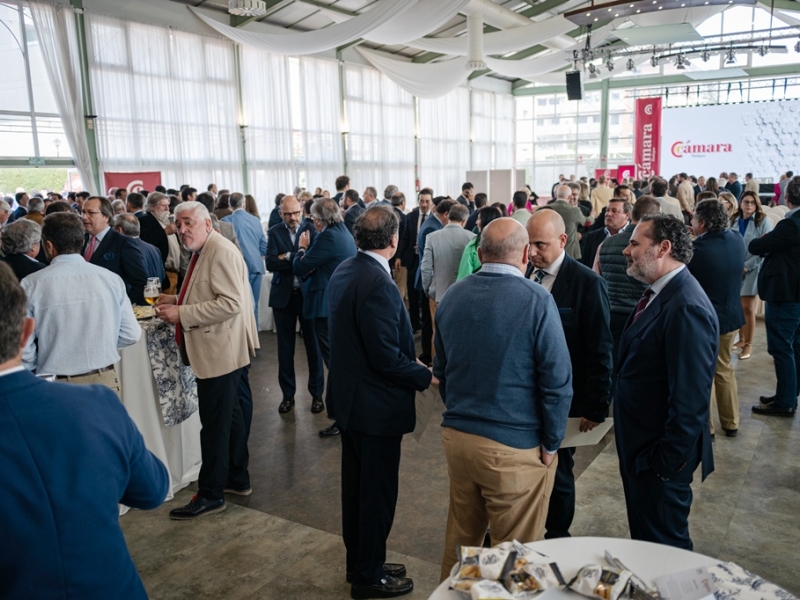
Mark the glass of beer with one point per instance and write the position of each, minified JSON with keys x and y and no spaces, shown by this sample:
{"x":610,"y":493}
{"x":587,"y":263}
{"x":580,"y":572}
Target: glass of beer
{"x":151,"y":292}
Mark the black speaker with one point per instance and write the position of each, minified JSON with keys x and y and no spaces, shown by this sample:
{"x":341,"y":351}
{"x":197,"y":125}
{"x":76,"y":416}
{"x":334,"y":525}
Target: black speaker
{"x":574,"y":85}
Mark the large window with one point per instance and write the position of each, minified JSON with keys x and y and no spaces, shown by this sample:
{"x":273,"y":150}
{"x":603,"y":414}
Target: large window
{"x":444,"y":142}
{"x":492,"y":130}
{"x":166,"y":101}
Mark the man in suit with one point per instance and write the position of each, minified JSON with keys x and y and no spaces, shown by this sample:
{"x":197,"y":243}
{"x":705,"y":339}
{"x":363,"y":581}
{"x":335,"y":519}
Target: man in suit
{"x":669,"y":206}
{"x":685,"y":194}
{"x":667,"y":356}
{"x":216,"y":333}
{"x":601,"y":195}
{"x":573,"y":218}
{"x":35,"y":210}
{"x":342,"y":185}
{"x":314,"y":265}
{"x":22,"y":206}
{"x":128,"y":225}
{"x":134,"y":204}
{"x":443,"y":250}
{"x":480,"y":201}
{"x":467,"y":196}
{"x":779,"y":287}
{"x":154,"y":224}
{"x":106,"y":248}
{"x":408,"y":254}
{"x":439,"y":220}
{"x":582,"y":300}
{"x":734,"y":186}
{"x":617,"y":215}
{"x":286,"y":301}
{"x":352,"y":209}
{"x":20,"y":244}
{"x":77,"y":447}
{"x":399,"y":272}
{"x":717,"y":265}
{"x":372,"y":357}
{"x":252,"y":243}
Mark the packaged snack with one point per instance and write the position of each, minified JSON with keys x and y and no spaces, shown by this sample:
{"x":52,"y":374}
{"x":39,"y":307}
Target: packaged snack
{"x":533,"y":577}
{"x":489,"y":590}
{"x":596,"y":581}
{"x":496,"y":563}
{"x":469,"y":562}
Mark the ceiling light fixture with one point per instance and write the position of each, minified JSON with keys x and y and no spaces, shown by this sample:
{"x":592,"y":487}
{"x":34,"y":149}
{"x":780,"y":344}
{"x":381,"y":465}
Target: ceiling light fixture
{"x":705,"y":55}
{"x":763,"y":50}
{"x":610,"y":64}
{"x":592,"y":71}
{"x":731,"y":57}
{"x":247,"y":8}
{"x":797,"y":46}
{"x":630,"y":64}
{"x":680,"y":62}
{"x":654,"y":61}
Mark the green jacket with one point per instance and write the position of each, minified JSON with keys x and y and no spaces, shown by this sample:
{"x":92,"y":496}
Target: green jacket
{"x":470,"y":263}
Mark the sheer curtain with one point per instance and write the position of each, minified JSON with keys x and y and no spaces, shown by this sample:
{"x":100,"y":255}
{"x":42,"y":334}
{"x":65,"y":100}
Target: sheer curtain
{"x":166,"y":101}
{"x":482,"y":130}
{"x":444,"y":142}
{"x":380,"y":145}
{"x":504,"y":131}
{"x":55,"y":30}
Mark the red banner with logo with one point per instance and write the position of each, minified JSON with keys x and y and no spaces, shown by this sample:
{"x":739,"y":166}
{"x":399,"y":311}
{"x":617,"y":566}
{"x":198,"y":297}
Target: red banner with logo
{"x":133,"y":182}
{"x":647,"y":137}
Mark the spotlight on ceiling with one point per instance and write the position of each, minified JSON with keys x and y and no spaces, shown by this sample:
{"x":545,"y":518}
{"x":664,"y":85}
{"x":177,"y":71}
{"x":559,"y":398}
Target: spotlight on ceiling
{"x":680,"y":62}
{"x":592,"y":71}
{"x":731,"y":57}
{"x":797,"y":46}
{"x":610,"y":64}
{"x":247,"y":8}
{"x":630,"y":64}
{"x":654,"y":61}
{"x":705,"y":55}
{"x":763,"y":50}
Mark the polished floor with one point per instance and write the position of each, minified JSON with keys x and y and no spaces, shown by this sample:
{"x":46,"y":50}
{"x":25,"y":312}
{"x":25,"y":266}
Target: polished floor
{"x":284,"y":541}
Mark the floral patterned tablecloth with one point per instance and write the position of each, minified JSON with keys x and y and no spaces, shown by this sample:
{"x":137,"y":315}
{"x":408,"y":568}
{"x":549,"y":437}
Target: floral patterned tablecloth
{"x":177,"y":389}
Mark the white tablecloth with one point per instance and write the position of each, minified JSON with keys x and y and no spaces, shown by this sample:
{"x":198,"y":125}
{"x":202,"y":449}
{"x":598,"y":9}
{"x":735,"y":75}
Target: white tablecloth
{"x":646,"y":560}
{"x":178,"y":447}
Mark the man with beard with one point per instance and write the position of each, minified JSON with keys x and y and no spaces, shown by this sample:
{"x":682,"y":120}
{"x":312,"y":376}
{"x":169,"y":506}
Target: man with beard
{"x":665,"y":368}
{"x":154,"y":224}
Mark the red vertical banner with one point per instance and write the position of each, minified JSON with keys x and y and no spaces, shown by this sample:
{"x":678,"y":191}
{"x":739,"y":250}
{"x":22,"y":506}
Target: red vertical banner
{"x":647,"y":137}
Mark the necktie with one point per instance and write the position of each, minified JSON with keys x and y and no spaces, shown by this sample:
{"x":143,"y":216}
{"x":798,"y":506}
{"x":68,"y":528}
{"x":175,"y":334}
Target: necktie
{"x":642,"y":304}
{"x":90,"y":248}
{"x":538,"y":275}
{"x":424,"y":216}
{"x":184,"y":287}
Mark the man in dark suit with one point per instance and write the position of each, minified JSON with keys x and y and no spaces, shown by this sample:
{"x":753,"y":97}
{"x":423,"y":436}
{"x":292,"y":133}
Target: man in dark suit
{"x":779,"y":287}
{"x":154,"y":224}
{"x":22,"y":206}
{"x":664,"y":374}
{"x":106,"y":248}
{"x":409,"y":257}
{"x":718,"y":265}
{"x":128,"y":225}
{"x":734,"y":186}
{"x":372,"y":357}
{"x":314,"y":265}
{"x":618,"y":213}
{"x":286,"y":301}
{"x":21,"y":243}
{"x":467,"y":197}
{"x":353,"y":209}
{"x":134,"y":204}
{"x":582,"y":300}
{"x":77,"y":447}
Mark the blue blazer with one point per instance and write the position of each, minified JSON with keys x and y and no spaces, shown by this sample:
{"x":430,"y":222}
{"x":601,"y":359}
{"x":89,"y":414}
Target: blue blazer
{"x":121,"y":255}
{"x":351,"y":216}
{"x":374,"y":374}
{"x":251,"y":239}
{"x":718,"y":266}
{"x":68,"y":455}
{"x":315,"y":267}
{"x":430,"y":225}
{"x":279,"y":241}
{"x":152,"y":261}
{"x":665,"y":369}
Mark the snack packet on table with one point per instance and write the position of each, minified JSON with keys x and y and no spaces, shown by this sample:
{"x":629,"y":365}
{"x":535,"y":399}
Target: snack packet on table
{"x":596,"y":581}
{"x":489,"y":590}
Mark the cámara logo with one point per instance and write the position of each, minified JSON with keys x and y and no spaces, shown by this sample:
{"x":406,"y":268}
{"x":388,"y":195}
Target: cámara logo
{"x":678,"y":149}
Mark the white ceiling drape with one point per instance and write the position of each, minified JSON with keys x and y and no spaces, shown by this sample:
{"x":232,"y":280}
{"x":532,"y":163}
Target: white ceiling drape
{"x":282,"y":41}
{"x":426,"y":80}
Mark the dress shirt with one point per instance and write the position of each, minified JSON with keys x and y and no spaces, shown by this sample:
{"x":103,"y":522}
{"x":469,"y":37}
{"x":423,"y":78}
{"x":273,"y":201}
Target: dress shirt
{"x":551,"y":272}
{"x":83,"y":316}
{"x":791,"y":212}
{"x":12,"y":370}
{"x":421,"y":218}
{"x":383,"y":262}
{"x":501,"y":269}
{"x":293,"y":237}
{"x":660,"y":283}
{"x":99,"y":237}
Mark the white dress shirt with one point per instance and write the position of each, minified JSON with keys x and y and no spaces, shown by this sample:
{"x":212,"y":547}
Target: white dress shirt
{"x":502,"y":269}
{"x":12,"y":370}
{"x":551,"y":272}
{"x":659,"y":284}
{"x":384,"y":263}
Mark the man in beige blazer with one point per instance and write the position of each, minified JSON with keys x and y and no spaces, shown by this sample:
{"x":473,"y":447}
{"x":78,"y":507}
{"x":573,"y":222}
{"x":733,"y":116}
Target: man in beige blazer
{"x":216,"y":331}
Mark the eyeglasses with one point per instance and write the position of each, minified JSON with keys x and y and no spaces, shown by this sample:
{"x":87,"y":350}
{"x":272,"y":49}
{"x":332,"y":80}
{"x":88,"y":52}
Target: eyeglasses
{"x":748,"y":202}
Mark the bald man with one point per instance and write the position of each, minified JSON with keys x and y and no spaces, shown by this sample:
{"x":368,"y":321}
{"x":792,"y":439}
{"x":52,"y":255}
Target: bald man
{"x":500,"y":433}
{"x":582,"y":300}
{"x":573,"y":218}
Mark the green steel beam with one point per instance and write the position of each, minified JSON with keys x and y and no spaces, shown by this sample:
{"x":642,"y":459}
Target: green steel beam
{"x":349,"y":45}
{"x":330,"y":7}
{"x":781,"y":4}
{"x":25,"y":162}
{"x":237,"y":65}
{"x":542,"y":7}
{"x":604,"y":97}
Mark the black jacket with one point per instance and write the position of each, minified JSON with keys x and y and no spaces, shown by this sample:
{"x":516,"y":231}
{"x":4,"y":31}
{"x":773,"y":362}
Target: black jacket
{"x":779,"y":274}
{"x":279,"y":242}
{"x":408,"y":241}
{"x":590,"y":243}
{"x":22,"y":265}
{"x":121,"y":255}
{"x":151,"y":231}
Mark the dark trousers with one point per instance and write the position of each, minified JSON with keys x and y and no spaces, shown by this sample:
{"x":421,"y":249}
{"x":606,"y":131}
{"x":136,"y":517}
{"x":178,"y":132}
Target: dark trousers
{"x":222,"y":437}
{"x":658,"y":511}
{"x":370,"y":473}
{"x":617,"y":325}
{"x":285,"y":324}
{"x":782,"y":320}
{"x":426,"y":339}
{"x":321,"y":330}
{"x":413,"y":297}
{"x":246,"y":401}
{"x":562,"y":499}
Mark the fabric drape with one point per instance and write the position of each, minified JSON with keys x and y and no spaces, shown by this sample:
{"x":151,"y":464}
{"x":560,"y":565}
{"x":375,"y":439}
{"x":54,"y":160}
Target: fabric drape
{"x":444,"y":142}
{"x":55,"y":29}
{"x":423,"y":80}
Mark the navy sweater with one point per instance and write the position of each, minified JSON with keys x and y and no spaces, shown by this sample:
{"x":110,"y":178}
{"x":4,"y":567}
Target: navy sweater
{"x":502,"y":361}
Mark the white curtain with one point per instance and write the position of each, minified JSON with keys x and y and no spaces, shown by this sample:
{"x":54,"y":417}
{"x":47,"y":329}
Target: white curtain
{"x":492,"y":130}
{"x":427,"y":80}
{"x":504,"y":131}
{"x":166,"y":101}
{"x":444,"y":142}
{"x":55,"y":29}
{"x":380,"y":142}
{"x":282,"y":41}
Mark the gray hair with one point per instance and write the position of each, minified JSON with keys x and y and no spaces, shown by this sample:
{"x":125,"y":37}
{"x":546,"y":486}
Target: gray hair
{"x":215,"y":223}
{"x":195,"y":207}
{"x":128,"y":224}
{"x":390,"y":191}
{"x":5,"y":206}
{"x":36,"y":205}
{"x":236,"y":200}
{"x":153,"y":200}
{"x":118,"y":206}
{"x":458,"y":213}
{"x":371,"y":191}
{"x":21,"y":236}
{"x":327,"y":211}
{"x":563,"y":192}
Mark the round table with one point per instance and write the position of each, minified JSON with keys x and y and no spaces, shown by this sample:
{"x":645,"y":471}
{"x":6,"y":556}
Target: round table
{"x":644,"y":559}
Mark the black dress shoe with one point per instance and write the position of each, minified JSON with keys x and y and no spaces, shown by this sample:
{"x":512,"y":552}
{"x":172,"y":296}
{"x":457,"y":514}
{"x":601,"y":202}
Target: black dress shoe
{"x":317,"y":406}
{"x":389,"y":587}
{"x":330,"y":431}
{"x":287,"y":405}
{"x":766,"y":399}
{"x":770,"y":410}
{"x":730,"y":432}
{"x":391,"y":569}
{"x":197,"y":507}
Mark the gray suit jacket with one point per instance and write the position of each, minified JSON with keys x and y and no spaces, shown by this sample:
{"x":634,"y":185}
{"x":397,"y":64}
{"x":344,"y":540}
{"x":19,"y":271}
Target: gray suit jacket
{"x":670,"y":208}
{"x":443,"y":250}
{"x":573,"y":217}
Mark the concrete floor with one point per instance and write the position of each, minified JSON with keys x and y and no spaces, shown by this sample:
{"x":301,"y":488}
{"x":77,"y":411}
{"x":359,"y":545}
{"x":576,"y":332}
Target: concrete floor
{"x":284,"y":541}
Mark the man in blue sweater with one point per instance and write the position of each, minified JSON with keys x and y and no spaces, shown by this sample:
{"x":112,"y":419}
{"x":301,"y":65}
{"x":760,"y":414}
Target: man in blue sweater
{"x":504,"y":422}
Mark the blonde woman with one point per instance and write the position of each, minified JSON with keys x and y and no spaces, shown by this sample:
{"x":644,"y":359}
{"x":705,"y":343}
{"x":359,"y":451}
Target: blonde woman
{"x":729,"y":202}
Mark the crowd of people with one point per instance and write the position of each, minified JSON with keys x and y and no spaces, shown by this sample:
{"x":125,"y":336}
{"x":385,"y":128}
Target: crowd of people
{"x":637,"y":290}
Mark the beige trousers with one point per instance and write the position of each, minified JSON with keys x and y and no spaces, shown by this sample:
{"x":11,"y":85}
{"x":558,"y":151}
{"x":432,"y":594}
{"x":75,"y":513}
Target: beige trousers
{"x":400,"y":278}
{"x":109,"y":378}
{"x":492,"y":485}
{"x":724,"y":389}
